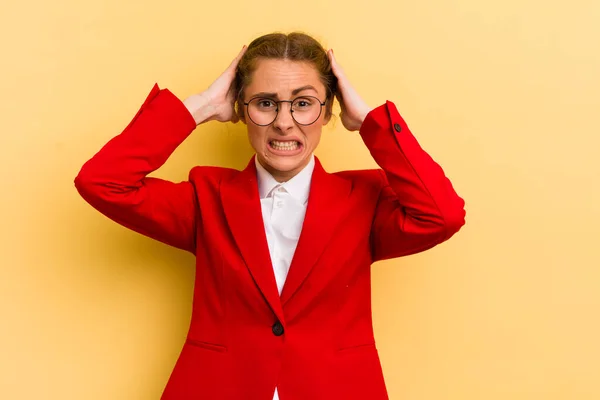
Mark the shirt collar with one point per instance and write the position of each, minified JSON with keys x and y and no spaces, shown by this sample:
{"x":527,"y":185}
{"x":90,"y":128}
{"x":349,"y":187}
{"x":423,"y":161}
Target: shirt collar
{"x":298,"y":186}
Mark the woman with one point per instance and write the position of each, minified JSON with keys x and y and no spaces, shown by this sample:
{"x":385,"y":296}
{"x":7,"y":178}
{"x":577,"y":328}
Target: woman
{"x":282,"y":293}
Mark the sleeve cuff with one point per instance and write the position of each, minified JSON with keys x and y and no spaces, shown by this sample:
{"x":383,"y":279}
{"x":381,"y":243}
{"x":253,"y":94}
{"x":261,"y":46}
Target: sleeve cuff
{"x":171,"y":105}
{"x":383,"y":118}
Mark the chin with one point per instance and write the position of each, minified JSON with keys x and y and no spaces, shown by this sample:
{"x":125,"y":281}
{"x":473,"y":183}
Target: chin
{"x":286,"y":164}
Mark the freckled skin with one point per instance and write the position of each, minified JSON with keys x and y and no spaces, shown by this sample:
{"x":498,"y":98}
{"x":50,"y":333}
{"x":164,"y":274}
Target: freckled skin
{"x":282,"y":77}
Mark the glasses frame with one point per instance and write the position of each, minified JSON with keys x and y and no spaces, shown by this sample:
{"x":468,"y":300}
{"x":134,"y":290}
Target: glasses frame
{"x":277,"y":102}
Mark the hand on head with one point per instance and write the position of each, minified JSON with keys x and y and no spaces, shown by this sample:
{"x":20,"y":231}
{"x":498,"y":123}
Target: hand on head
{"x":354,"y":108}
{"x":217,"y":102}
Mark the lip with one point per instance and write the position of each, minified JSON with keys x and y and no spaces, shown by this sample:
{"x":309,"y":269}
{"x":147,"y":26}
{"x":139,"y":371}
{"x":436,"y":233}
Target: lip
{"x":285,"y":153}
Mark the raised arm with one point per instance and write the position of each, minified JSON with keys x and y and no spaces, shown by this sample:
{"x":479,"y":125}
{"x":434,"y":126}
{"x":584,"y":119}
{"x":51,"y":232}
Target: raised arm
{"x":418,"y":207}
{"x":115,"y":181}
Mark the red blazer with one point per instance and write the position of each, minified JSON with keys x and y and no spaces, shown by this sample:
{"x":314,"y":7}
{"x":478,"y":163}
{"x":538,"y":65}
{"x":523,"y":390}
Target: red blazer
{"x":316,"y":340}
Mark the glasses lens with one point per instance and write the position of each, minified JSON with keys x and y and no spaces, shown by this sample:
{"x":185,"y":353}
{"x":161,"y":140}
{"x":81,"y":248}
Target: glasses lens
{"x":262,"y":111}
{"x":306,"y":110}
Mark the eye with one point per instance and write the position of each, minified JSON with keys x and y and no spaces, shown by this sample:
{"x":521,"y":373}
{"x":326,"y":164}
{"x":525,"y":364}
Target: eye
{"x":303,"y":102}
{"x":265,"y":104}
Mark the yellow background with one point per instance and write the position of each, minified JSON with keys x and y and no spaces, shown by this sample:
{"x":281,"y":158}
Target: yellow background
{"x":505,"y":95}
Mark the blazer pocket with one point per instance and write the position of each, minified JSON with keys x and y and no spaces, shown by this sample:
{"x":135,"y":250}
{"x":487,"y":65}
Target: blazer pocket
{"x":357,"y":349}
{"x":206,"y":345}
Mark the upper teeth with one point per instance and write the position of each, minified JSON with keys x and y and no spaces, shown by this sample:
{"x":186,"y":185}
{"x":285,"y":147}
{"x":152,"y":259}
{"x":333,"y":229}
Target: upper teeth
{"x":285,"y":145}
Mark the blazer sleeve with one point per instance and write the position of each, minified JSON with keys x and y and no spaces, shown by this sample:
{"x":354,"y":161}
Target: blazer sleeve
{"x":417,"y":207}
{"x":114,"y":180}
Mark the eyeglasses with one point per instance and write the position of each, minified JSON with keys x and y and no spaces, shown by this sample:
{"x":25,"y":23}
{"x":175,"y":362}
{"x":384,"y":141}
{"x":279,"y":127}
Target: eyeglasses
{"x":305,"y":110}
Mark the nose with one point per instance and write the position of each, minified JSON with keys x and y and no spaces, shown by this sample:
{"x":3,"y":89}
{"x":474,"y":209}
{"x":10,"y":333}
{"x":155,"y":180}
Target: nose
{"x":283,"y":120}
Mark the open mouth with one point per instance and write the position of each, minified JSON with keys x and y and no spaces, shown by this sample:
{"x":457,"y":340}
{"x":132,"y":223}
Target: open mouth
{"x":287,"y":146}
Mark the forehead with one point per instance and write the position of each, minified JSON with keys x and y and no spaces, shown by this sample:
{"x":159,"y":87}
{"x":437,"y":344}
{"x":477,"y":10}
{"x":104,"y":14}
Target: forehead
{"x":282,"y":77}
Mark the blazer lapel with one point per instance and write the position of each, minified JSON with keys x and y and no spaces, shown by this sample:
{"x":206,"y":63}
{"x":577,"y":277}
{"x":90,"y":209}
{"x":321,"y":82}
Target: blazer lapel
{"x":325,"y":207}
{"x":241,"y":203}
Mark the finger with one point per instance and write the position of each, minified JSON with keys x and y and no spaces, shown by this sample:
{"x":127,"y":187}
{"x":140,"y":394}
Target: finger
{"x":241,"y":53}
{"x":331,"y":60}
{"x":337,"y":69}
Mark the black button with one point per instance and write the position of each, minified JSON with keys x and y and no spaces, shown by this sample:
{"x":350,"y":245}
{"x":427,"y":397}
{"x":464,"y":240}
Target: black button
{"x":277,"y":329}
{"x":397,"y":127}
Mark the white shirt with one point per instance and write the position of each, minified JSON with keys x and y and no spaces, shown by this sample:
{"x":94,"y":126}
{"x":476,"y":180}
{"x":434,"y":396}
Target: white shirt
{"x":283,"y":209}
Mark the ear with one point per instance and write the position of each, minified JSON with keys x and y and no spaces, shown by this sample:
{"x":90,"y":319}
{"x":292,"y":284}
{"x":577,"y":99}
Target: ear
{"x":240,"y":113}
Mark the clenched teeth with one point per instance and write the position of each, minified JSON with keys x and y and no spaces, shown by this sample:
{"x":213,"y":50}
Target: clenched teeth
{"x":289,"y":145}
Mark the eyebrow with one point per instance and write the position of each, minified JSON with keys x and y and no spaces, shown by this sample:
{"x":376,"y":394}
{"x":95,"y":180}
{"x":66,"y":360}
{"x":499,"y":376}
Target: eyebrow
{"x":294,"y":92}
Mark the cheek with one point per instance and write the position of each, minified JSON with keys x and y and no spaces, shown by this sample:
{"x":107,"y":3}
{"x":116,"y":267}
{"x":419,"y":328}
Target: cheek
{"x":314,"y":136}
{"x":256,"y":136}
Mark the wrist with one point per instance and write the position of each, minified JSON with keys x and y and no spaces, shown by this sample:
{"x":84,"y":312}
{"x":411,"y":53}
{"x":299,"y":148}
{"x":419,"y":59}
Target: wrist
{"x":199,"y":107}
{"x":364,"y":116}
{"x":361,"y":118}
